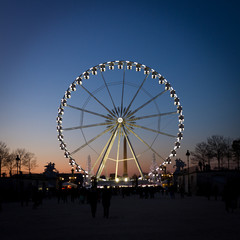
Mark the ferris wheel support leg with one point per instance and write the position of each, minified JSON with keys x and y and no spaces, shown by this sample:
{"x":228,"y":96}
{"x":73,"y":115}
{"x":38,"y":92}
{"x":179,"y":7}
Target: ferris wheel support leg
{"x":107,"y":151}
{"x":129,"y":129}
{"x":94,"y":165}
{"x":132,"y":151}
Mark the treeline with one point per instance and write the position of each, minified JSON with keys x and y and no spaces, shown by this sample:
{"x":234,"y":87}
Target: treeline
{"x":217,"y":148}
{"x":18,"y":159}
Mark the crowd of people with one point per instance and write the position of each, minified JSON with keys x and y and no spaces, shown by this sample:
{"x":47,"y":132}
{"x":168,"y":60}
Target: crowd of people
{"x":95,"y":195}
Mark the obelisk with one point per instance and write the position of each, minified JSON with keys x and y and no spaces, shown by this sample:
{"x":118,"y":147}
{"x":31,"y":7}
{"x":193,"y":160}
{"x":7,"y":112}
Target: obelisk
{"x":125,"y":170}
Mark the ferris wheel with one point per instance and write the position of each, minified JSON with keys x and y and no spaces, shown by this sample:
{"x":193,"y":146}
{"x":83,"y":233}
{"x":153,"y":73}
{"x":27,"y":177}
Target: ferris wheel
{"x":120,"y":113}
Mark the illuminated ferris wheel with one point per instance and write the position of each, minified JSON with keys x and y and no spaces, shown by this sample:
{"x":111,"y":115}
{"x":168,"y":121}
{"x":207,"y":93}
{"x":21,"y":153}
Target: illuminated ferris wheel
{"x":119,"y":116}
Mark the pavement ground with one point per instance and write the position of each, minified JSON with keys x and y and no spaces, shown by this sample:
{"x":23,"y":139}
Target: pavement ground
{"x":130,"y":218}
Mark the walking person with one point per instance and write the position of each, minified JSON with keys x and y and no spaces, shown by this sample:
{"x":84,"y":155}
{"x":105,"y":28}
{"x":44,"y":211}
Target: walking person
{"x":106,"y":201}
{"x":93,"y":199}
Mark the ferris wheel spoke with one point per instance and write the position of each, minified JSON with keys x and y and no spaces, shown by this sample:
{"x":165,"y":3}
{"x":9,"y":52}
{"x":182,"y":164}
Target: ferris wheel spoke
{"x":132,"y":151}
{"x":109,"y":93}
{"x":108,"y":148}
{"x":99,"y":155}
{"x":130,"y":104}
{"x":97,"y":100}
{"x":87,"y":126}
{"x":123,"y":82}
{"x":92,"y":140}
{"x":137,"y":136}
{"x":152,"y":130}
{"x":91,"y":112}
{"x":153,"y":115}
{"x":146,"y":103}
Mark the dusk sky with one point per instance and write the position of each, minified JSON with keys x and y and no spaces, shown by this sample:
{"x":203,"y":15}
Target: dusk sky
{"x":45,"y":45}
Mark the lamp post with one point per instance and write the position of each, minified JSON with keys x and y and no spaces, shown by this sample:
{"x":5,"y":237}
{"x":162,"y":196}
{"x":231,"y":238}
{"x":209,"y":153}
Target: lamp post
{"x":188,"y":154}
{"x":17,"y":159}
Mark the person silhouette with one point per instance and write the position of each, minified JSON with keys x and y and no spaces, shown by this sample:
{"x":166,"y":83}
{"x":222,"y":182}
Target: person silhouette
{"x":106,"y":201}
{"x":93,"y":199}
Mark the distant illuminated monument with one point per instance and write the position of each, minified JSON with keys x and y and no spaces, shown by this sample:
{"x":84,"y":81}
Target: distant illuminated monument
{"x":106,"y":113}
{"x":89,"y":167}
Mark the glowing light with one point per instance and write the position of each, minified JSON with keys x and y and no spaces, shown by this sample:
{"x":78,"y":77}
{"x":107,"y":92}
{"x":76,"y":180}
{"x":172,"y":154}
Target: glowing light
{"x":120,"y":65}
{"x":120,"y":120}
{"x":154,"y":75}
{"x":59,"y":128}
{"x":86,"y":75}
{"x":167,"y":86}
{"x":60,"y":137}
{"x":129,"y":65}
{"x":172,"y":93}
{"x":66,"y":154}
{"x":177,"y":144}
{"x":117,"y":179}
{"x":62,"y":146}
{"x":176,"y":101}
{"x":180,"y":135}
{"x":181,"y":127}
{"x":179,"y":109}
{"x":64,"y":102}
{"x":125,"y":179}
{"x":146,"y":70}
{"x":181,"y":118}
{"x":102,"y":68}
{"x":111,"y":66}
{"x":138,"y":67}
{"x":59,"y":119}
{"x":79,"y":81}
{"x":60,"y":111}
{"x":94,"y":71}
{"x":73,"y":87}
{"x":68,"y":94}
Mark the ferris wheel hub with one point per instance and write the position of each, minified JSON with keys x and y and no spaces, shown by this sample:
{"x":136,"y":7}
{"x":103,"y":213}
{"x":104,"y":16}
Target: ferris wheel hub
{"x":120,"y":120}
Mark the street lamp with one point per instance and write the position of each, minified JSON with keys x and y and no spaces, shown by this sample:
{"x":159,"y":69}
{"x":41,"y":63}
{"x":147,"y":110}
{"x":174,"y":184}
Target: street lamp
{"x":188,"y":154}
{"x":17,"y":159}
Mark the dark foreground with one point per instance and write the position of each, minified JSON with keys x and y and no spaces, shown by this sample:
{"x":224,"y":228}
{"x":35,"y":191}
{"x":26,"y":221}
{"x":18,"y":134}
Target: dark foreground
{"x":130,"y":218}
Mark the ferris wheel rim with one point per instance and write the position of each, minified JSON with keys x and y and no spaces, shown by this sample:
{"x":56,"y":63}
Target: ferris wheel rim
{"x":121,"y":64}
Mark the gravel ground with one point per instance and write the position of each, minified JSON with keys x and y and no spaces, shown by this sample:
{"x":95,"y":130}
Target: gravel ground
{"x":130,"y":218}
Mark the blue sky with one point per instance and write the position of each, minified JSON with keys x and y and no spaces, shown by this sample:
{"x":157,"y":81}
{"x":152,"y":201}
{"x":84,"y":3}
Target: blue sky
{"x":45,"y":45}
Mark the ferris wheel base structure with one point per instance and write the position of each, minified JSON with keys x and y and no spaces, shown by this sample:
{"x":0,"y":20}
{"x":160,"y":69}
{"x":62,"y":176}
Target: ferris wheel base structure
{"x":124,"y":183}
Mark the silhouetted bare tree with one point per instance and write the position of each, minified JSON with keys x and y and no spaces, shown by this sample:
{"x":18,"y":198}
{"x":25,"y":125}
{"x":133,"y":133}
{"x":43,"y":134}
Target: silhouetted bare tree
{"x":229,"y":151}
{"x":4,"y":152}
{"x":10,"y":162}
{"x":236,"y":151}
{"x":27,"y":159}
{"x":218,"y":146}
{"x":202,"y":154}
{"x":21,"y":152}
